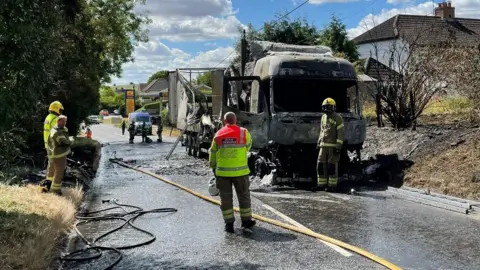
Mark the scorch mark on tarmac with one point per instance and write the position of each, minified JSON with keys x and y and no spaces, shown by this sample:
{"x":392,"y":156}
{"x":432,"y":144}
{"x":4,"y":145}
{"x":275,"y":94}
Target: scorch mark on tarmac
{"x":295,"y":223}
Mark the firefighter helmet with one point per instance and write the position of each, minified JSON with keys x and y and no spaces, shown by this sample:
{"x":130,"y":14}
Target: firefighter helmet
{"x":56,"y":106}
{"x":329,"y":105}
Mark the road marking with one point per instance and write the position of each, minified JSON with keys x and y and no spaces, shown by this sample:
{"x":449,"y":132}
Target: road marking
{"x":295,"y":223}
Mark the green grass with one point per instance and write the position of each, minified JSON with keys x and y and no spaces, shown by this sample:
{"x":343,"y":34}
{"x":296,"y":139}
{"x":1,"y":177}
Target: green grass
{"x":448,"y":106}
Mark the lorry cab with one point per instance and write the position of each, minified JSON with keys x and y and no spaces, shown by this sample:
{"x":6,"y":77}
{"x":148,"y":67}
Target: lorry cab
{"x":285,"y":92}
{"x":138,"y":118}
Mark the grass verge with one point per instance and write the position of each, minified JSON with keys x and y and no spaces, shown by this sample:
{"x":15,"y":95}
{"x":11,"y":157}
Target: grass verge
{"x":455,"y":172}
{"x":33,"y":225}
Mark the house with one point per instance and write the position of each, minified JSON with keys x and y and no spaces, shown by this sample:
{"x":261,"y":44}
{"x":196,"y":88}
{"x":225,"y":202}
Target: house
{"x":153,"y":89}
{"x":402,"y":31}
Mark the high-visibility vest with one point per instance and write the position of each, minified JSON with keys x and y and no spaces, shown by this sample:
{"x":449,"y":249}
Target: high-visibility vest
{"x":48,"y":124}
{"x":228,"y":153}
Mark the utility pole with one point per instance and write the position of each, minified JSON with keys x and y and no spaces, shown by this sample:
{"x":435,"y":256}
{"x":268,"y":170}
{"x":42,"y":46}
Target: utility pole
{"x":243,"y":51}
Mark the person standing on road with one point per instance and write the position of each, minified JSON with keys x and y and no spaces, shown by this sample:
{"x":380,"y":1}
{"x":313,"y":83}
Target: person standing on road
{"x":228,"y":159}
{"x":59,"y":146}
{"x":330,"y":143}
{"x":131,"y":131}
{"x":159,"y":129}
{"x":144,"y":132}
{"x":54,"y":111}
{"x":124,"y":126}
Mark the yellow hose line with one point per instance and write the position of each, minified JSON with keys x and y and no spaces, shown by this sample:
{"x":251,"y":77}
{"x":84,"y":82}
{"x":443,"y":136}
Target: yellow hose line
{"x":336,"y":242}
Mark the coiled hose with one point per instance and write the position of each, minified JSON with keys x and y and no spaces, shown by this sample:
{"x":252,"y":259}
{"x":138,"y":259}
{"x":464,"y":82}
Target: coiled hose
{"x":128,"y":217}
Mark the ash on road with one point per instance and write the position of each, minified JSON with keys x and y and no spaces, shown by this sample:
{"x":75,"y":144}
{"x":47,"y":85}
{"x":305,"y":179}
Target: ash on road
{"x":409,"y":235}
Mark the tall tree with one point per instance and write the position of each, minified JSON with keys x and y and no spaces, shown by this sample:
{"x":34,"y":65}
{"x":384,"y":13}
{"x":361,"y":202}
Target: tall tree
{"x":335,"y":36}
{"x":159,"y":75}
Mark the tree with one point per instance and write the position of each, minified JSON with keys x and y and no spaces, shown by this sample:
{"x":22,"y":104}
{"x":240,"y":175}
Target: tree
{"x":59,"y":50}
{"x":416,"y":71}
{"x":109,"y":99}
{"x":335,"y":37}
{"x":159,"y":75}
{"x":205,"y":78}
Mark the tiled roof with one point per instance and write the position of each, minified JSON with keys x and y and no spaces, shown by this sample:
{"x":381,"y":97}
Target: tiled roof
{"x":156,"y":85}
{"x":424,"y":30}
{"x":379,"y":71}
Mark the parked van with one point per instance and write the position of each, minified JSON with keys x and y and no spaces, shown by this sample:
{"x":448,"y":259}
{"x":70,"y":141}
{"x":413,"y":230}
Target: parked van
{"x":139,"y":118}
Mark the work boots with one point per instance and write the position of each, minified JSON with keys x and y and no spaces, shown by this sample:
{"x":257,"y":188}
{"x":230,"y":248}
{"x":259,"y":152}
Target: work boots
{"x":248,"y":224}
{"x":229,"y":228}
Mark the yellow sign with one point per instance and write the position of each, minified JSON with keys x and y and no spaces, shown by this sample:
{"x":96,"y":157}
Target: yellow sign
{"x":130,"y":105}
{"x":129,"y":101}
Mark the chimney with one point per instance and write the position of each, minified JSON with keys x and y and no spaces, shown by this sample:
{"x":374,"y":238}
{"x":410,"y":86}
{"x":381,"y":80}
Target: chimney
{"x":445,"y":10}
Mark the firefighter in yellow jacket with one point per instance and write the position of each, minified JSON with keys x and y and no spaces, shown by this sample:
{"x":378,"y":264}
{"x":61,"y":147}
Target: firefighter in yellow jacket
{"x":228,"y":159}
{"x":330,"y":144}
{"x":59,"y":148}
{"x":54,"y":111}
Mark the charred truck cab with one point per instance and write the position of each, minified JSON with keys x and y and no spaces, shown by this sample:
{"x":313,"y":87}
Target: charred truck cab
{"x":279,"y":102}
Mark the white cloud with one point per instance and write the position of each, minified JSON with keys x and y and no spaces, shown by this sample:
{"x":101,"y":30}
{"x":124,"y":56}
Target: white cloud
{"x":191,"y":20}
{"x":155,"y":56}
{"x":319,"y":2}
{"x":463,"y":9}
{"x":395,"y":2}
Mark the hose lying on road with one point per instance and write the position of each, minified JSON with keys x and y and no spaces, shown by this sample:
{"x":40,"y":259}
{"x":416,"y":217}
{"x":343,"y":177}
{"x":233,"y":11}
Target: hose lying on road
{"x":339,"y":243}
{"x":128,"y":217}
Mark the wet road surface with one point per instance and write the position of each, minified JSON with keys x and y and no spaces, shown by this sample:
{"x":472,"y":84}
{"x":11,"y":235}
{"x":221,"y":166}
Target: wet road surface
{"x":407,"y":234}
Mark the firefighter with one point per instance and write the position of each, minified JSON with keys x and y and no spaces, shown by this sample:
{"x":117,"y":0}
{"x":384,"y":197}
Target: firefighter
{"x":131,"y":131}
{"x":228,"y":159}
{"x":144,"y":133}
{"x":59,"y":147}
{"x":54,"y":110}
{"x":159,"y":129}
{"x":124,"y":126}
{"x":330,"y":143}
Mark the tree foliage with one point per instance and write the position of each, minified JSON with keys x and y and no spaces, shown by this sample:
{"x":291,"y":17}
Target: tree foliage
{"x":58,"y":50}
{"x":163,"y":74}
{"x":204,"y":78}
{"x":301,"y":32}
{"x":335,"y":36}
{"x":109,"y":99}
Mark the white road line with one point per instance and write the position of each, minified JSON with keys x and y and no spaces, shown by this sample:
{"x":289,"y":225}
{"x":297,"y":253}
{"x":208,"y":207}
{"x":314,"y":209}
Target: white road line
{"x":295,"y":223}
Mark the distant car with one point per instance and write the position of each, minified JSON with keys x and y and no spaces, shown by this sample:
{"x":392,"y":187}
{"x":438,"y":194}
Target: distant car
{"x":94,"y":119}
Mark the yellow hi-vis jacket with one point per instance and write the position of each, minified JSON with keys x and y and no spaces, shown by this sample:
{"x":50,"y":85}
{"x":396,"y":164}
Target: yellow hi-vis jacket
{"x":331,"y":131}
{"x":48,"y":124}
{"x":58,"y":143}
{"x":228,"y":153}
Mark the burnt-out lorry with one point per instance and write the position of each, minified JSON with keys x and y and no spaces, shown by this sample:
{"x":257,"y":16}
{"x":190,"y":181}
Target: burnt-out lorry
{"x":278,"y":99}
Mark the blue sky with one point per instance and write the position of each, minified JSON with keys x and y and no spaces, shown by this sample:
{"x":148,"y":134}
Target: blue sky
{"x":200,"y":33}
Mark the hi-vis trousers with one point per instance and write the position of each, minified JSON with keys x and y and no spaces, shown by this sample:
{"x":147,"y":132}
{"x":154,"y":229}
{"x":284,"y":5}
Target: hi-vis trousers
{"x":327,"y":167}
{"x":242,"y":188}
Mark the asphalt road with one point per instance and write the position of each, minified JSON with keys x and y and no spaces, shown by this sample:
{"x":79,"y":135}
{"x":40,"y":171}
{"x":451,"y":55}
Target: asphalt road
{"x":407,"y":234}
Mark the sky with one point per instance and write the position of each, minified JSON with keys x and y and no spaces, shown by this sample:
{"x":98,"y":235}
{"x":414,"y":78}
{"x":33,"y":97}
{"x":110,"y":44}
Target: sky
{"x":202,"y":33}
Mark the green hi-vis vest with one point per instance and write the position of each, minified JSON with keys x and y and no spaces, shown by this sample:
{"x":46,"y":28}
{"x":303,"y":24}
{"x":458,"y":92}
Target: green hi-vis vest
{"x":228,"y":153}
{"x":50,"y":122}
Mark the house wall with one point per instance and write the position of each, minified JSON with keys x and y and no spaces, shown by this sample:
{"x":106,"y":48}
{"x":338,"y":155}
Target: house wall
{"x":382,"y":51}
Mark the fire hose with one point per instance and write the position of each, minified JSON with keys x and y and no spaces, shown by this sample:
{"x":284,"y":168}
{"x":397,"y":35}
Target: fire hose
{"x":325,"y":238}
{"x":128,"y":217}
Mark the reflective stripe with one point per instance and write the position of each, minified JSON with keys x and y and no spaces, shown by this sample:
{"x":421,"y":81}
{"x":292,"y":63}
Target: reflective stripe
{"x":50,"y":178}
{"x":60,"y":155}
{"x":241,"y":145}
{"x":229,"y":216}
{"x":60,"y":137}
{"x":245,"y":210}
{"x":246,"y":214}
{"x":226,"y":212}
{"x":339,"y":141}
{"x":340,"y":126}
{"x":56,"y":185}
{"x":328,"y":145}
{"x":233,"y":169}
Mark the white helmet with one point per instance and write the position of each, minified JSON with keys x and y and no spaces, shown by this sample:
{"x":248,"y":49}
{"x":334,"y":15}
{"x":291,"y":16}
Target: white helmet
{"x":212,"y":187}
